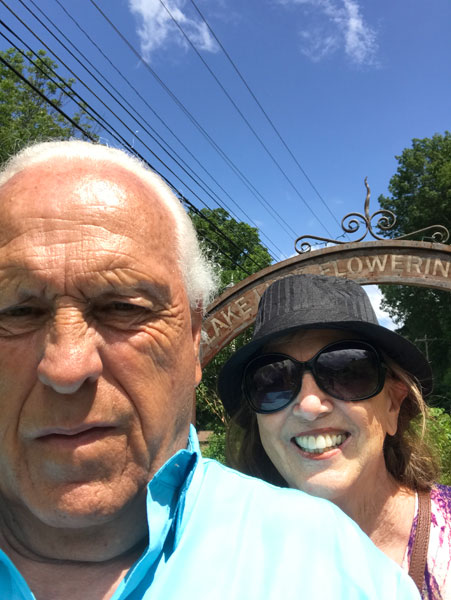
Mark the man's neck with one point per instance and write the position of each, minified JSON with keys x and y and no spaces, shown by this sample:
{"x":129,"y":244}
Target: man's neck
{"x":73,"y":563}
{"x":75,"y":580}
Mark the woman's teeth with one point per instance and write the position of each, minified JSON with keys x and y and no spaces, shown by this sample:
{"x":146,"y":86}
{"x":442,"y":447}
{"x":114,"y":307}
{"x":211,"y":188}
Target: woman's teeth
{"x":317,"y":444}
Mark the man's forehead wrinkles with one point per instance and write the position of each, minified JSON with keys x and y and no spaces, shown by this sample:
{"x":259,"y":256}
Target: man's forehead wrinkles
{"x":93,"y":260}
{"x":37,"y":281}
{"x":64,"y":231}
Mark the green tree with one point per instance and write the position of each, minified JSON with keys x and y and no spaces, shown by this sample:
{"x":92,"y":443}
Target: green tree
{"x":236,"y":259}
{"x":25,"y":116}
{"x":243,"y":255}
{"x":216,"y":447}
{"x":439,"y":436}
{"x":421,"y":196}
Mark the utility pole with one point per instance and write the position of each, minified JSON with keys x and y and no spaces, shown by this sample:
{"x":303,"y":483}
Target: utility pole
{"x":426,"y":342}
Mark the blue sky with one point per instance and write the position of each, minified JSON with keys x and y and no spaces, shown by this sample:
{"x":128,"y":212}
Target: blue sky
{"x":346,"y":83}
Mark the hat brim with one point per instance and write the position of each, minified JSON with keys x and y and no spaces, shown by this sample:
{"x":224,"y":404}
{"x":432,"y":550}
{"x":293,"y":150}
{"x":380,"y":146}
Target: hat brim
{"x":403,"y":352}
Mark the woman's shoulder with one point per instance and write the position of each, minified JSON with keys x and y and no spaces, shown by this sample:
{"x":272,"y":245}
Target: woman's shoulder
{"x":441,"y":501}
{"x":441,"y":490}
{"x":437,"y":582}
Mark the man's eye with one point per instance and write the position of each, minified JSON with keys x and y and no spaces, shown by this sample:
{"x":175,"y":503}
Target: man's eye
{"x":21,"y":319}
{"x":121,"y":307}
{"x":121,"y":314}
{"x":118,"y":309}
{"x":22,"y":311}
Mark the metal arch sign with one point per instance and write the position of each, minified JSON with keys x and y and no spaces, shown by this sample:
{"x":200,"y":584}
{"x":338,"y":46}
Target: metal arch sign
{"x":399,"y":262}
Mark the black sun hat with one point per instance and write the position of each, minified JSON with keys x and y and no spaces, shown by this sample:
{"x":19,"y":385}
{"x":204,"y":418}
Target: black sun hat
{"x":318,"y":302}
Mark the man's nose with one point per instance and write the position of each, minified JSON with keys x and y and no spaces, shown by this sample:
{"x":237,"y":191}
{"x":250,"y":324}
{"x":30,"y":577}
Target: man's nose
{"x":311,"y":402}
{"x":70,"y":357}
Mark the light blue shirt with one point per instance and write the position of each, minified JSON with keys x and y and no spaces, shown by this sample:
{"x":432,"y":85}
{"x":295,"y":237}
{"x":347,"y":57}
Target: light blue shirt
{"x":218,"y":535}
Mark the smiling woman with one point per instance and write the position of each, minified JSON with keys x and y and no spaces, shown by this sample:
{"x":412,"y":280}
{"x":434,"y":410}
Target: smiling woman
{"x":322,"y":400}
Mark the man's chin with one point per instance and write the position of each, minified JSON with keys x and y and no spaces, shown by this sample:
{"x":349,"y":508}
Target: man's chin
{"x":83,"y":505}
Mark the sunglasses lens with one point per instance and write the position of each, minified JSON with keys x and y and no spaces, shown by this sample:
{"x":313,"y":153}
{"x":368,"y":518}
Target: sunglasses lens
{"x":349,"y":370}
{"x":351,"y":373}
{"x":271,"y":383}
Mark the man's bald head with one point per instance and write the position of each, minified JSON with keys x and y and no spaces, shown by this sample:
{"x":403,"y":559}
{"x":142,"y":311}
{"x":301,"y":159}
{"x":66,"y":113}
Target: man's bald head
{"x":199,"y":278}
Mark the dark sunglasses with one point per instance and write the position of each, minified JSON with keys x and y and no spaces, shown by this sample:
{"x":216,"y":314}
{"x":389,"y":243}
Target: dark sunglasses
{"x":348,"y":370}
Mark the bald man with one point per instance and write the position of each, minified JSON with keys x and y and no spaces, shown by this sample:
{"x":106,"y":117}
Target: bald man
{"x":103,"y":490}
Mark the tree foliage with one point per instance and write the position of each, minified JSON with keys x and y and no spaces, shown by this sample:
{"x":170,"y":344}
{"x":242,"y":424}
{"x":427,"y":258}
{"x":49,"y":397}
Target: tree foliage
{"x":25,"y":116}
{"x":421,"y":188}
{"x":236,"y":259}
{"x":439,"y":436}
{"x":216,"y":447}
{"x":243,"y":255}
{"x":421,"y":196}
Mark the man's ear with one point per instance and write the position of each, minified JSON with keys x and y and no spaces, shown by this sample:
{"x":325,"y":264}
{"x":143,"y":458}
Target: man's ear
{"x":396,"y":394}
{"x":196,"y":330}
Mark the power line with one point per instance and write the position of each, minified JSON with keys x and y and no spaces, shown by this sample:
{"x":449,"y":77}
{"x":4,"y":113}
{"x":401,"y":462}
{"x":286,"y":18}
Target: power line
{"x":122,"y":122}
{"x":260,"y":198}
{"x":116,"y":116}
{"x":44,"y":97}
{"x":268,"y":152}
{"x":157,"y":116}
{"x":140,"y":123}
{"x":263,"y":111}
{"x":82,"y":104}
{"x":86,"y":134}
{"x":118,"y":94}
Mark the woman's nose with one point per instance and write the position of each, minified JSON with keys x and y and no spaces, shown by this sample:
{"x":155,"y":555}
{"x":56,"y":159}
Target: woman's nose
{"x":311,"y":402}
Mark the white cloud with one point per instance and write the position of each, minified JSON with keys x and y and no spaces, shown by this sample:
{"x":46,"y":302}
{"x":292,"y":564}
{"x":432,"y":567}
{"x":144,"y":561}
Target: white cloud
{"x":157,"y":29}
{"x":334,"y":24}
{"x":316,"y":45}
{"x":360,"y":39}
{"x":375,"y":298}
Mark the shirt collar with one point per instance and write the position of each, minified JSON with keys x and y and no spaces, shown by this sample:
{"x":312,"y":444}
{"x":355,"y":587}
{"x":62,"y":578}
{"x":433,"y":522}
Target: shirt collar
{"x":166,"y":492}
{"x":166,"y":495}
{"x":174,"y":471}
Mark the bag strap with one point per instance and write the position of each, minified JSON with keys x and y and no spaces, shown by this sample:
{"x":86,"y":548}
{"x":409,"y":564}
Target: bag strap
{"x":421,"y":542}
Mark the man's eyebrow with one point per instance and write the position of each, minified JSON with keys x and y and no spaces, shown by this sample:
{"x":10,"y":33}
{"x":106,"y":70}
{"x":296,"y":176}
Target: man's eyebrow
{"x":155,"y":289}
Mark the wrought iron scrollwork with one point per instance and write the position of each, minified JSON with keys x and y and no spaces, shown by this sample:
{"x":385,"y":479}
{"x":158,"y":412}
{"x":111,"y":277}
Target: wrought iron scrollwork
{"x":387,"y":220}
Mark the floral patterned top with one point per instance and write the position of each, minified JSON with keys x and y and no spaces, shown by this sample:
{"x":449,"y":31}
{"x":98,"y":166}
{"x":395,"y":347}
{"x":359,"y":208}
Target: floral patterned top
{"x":437,"y":581}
